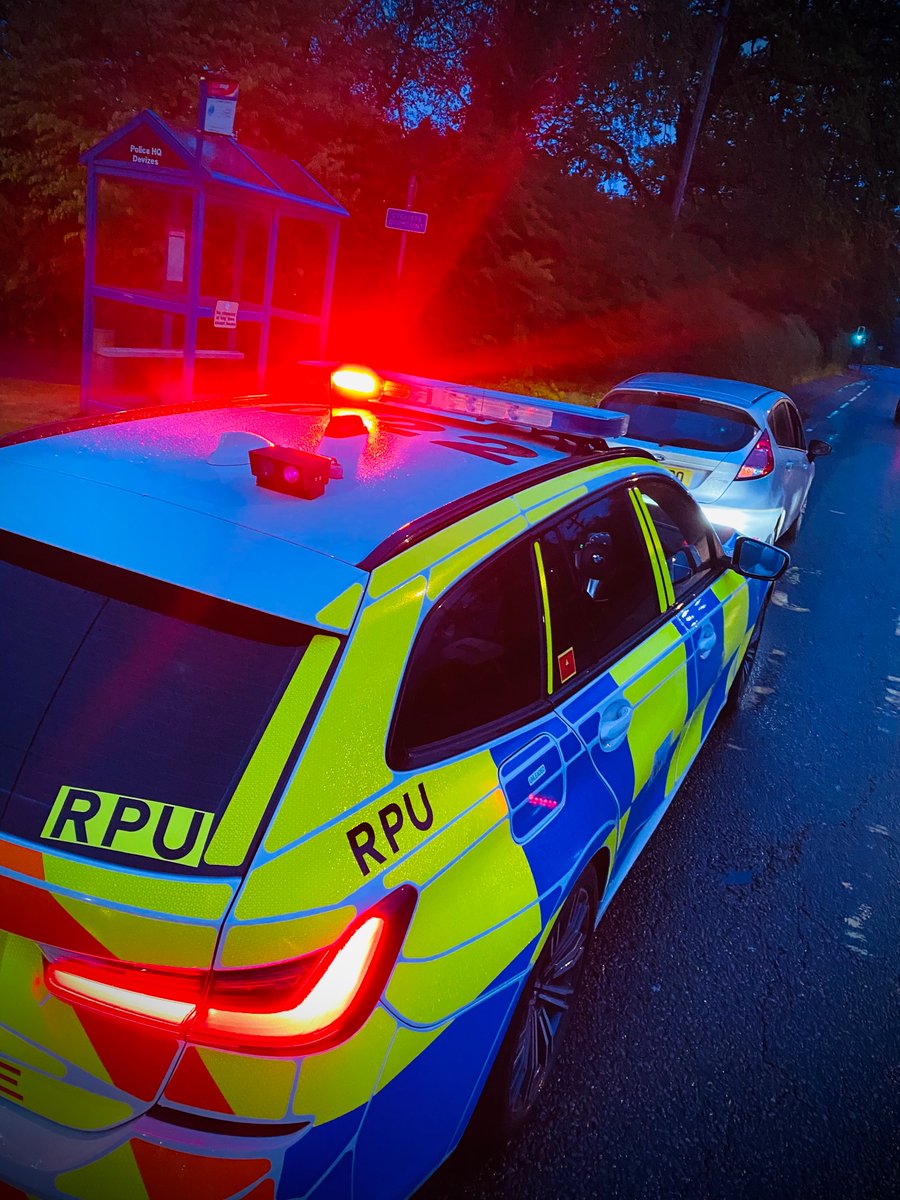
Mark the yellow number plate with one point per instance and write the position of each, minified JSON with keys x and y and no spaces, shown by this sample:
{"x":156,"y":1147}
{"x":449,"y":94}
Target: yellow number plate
{"x":681,"y":475}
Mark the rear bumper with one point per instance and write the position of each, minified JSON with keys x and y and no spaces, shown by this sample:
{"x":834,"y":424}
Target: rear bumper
{"x":758,"y":523}
{"x":49,"y":1161}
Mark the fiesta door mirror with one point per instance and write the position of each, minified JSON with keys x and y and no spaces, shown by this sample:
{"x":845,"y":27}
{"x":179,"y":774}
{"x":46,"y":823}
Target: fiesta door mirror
{"x":759,"y":560}
{"x":817,"y":448}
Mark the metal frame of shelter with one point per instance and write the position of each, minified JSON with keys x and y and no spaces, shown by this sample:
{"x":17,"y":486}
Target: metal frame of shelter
{"x":151,"y":153}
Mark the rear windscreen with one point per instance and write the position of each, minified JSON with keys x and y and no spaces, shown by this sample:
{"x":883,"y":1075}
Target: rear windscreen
{"x":668,"y":420}
{"x":130,"y":707}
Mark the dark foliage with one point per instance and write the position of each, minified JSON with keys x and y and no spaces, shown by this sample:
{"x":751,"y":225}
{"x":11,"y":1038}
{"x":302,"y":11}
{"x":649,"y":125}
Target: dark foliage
{"x":545,"y":139}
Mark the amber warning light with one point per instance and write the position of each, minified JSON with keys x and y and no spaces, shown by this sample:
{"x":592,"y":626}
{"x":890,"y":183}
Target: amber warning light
{"x":358,"y":383}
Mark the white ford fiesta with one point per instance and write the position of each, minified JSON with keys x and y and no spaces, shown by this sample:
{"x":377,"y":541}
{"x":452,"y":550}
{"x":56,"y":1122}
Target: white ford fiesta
{"x":738,"y":448}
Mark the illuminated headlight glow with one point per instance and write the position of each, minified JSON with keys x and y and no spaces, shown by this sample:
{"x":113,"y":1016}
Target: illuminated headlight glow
{"x":755,"y":523}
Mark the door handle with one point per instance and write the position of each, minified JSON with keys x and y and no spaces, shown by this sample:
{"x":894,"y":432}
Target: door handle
{"x":707,"y":640}
{"x":614,"y":722}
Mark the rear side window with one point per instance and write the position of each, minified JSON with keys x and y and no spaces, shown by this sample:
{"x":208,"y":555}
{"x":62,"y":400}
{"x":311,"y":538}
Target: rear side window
{"x":670,"y":420}
{"x":127,"y":688}
{"x":600,"y":584}
{"x":781,"y":425}
{"x":787,"y":427}
{"x":476,"y":666}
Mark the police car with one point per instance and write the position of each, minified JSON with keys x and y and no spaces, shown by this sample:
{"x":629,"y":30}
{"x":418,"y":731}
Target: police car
{"x":336,"y":721}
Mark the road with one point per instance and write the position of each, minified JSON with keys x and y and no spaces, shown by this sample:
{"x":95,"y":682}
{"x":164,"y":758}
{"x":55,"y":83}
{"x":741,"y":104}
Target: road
{"x":739,"y":1031}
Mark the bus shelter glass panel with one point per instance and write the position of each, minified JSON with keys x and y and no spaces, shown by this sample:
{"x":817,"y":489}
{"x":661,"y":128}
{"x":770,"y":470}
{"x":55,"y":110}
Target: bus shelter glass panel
{"x":144,"y":236}
{"x":300,"y":266}
{"x":226,"y":361}
{"x":290,"y":342}
{"x":137,"y":351}
{"x":235,"y":245}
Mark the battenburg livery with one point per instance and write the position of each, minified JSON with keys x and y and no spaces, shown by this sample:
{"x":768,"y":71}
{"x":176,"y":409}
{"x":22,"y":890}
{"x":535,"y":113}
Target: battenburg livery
{"x":329,"y":730}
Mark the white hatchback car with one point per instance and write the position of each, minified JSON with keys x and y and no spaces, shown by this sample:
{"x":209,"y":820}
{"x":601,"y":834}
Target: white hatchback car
{"x":738,"y":448}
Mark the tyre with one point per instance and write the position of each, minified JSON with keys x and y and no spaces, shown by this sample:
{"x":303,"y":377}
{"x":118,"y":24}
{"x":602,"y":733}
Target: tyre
{"x":528,"y":1054}
{"x":741,"y":681}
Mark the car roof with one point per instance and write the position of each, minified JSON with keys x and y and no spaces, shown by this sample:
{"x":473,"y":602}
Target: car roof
{"x":140,"y":492}
{"x":727,"y":391}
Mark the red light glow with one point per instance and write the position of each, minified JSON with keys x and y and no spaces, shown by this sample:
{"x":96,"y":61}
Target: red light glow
{"x":542,"y":801}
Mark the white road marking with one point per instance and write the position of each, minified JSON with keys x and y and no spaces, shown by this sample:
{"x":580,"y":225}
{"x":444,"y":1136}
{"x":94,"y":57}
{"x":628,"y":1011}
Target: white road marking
{"x":833,"y":414}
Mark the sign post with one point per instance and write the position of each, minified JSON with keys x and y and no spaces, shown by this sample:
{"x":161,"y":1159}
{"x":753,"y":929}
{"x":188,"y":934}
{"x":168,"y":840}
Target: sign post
{"x":407,"y":221}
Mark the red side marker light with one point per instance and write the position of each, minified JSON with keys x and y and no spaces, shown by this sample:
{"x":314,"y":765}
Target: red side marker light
{"x":298,"y":1007}
{"x":760,"y":461}
{"x":542,"y":801}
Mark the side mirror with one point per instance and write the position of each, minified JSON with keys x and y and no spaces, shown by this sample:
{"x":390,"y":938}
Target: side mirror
{"x":817,"y":448}
{"x":683,"y":563}
{"x":759,"y":560}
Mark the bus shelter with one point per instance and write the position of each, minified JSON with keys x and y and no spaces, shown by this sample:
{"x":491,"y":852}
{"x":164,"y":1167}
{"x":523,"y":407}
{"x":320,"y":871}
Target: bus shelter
{"x":209,"y":266}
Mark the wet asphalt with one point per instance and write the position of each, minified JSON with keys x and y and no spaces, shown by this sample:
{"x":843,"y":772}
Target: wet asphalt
{"x":738,"y":1033}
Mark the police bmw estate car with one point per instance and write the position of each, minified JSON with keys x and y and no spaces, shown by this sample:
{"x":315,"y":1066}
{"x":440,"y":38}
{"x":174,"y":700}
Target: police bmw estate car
{"x":332,"y":731}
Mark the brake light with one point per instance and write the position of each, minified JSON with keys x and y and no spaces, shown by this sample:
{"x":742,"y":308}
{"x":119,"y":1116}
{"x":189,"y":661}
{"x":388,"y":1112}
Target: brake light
{"x":298,"y":1007}
{"x":358,"y":383}
{"x":760,"y":461}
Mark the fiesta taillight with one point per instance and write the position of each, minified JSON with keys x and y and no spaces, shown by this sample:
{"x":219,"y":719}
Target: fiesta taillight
{"x":760,"y":461}
{"x":297,"y":1007}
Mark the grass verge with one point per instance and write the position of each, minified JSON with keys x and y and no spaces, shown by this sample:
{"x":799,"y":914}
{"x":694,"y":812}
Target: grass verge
{"x":25,"y":402}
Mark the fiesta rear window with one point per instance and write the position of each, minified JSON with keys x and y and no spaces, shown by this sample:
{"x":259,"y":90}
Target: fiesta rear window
{"x":116,"y":685}
{"x":694,"y":424}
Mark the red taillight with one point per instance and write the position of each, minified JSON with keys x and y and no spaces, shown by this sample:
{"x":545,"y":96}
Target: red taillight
{"x":760,"y":461}
{"x":298,"y":1007}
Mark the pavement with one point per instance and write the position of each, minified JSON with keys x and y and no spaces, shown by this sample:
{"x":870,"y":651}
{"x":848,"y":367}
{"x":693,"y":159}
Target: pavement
{"x":739,"y":1030}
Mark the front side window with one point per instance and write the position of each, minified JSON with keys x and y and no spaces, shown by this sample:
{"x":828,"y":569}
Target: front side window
{"x":599,"y":582}
{"x":476,"y":666}
{"x":690,"y":548}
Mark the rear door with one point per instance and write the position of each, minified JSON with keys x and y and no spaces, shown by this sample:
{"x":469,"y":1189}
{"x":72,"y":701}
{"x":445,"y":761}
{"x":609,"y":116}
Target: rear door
{"x":702,"y":442}
{"x":709,"y":605}
{"x":620,"y":665}
{"x":790,"y":452}
{"x":146,"y":735}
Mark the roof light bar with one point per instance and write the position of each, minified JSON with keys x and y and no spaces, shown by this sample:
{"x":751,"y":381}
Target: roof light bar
{"x":505,"y":408}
